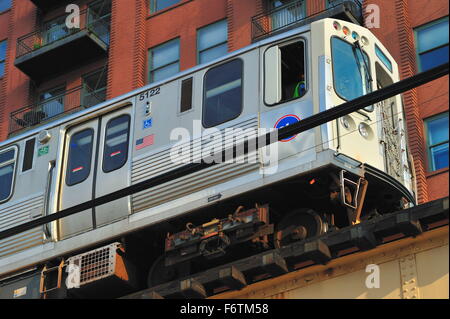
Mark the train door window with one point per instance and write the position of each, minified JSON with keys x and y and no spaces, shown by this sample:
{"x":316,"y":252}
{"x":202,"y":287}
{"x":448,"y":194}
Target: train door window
{"x":186,"y":95}
{"x":285,"y":73}
{"x":28,"y":155}
{"x":7,"y":168}
{"x":222,"y":93}
{"x":80,"y":156}
{"x":115,"y":153}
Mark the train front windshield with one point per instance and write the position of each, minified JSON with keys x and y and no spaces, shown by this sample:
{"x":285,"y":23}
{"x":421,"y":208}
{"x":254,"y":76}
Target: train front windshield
{"x":351,"y":69}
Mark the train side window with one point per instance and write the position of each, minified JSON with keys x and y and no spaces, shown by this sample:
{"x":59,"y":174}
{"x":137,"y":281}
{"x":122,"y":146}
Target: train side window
{"x":222,"y":93}
{"x":7,"y":168}
{"x":186,"y":95}
{"x":28,"y":155}
{"x":285,"y":73}
{"x":80,"y":157}
{"x":115,"y":153}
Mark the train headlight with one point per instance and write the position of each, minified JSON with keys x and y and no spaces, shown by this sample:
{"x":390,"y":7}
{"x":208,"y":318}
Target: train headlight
{"x":348,"y":122}
{"x":44,"y":137}
{"x":369,"y":108}
{"x":365,"y":130}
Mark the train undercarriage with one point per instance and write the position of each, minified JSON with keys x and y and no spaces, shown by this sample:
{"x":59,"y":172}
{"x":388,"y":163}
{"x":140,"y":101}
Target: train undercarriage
{"x":294,"y":210}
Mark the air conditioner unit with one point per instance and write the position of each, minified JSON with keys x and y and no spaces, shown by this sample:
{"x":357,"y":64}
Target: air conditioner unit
{"x":101,"y":273}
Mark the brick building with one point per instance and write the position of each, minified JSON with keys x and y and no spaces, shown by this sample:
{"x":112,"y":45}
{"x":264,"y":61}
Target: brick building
{"x":121,"y":45}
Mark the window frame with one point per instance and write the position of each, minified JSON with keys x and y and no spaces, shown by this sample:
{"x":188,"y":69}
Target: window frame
{"x":90,"y":161}
{"x":305,"y":67}
{"x":332,"y":66}
{"x":46,"y":32}
{"x":153,"y":3}
{"x":416,"y":40}
{"x":128,"y":143}
{"x":211,"y":47}
{"x":102,"y":18}
{"x":7,"y":8}
{"x":382,"y":57}
{"x":431,"y":164}
{"x":204,"y":92}
{"x":84,"y":87}
{"x":3,"y":60}
{"x":150,"y":60}
{"x":14,"y":160}
{"x":33,"y":154}
{"x":61,"y":95}
{"x":180,"y":90}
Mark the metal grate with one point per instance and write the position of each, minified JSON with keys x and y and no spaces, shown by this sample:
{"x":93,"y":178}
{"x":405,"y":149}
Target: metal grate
{"x":96,"y":264}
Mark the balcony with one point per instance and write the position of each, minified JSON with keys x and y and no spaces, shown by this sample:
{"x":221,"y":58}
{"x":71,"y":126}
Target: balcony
{"x":46,"y":5}
{"x":55,"y":48}
{"x":293,"y":15}
{"x":48,"y":110}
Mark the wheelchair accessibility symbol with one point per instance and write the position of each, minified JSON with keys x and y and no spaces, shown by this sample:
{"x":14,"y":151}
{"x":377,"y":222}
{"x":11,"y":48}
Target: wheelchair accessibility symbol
{"x":285,"y":121}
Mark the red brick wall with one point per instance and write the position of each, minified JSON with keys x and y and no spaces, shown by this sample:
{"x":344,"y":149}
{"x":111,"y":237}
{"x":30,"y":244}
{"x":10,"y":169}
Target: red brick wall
{"x":14,"y":90}
{"x":398,"y":20}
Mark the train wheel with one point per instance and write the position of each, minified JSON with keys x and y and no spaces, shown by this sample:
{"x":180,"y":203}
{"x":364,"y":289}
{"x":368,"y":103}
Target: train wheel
{"x":160,"y":273}
{"x":298,"y":225}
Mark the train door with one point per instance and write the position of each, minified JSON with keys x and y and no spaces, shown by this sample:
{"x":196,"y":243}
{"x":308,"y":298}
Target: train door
{"x":287,"y":94}
{"x":95,"y":163}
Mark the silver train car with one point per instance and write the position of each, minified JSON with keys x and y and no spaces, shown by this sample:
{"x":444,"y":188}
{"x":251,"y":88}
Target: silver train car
{"x":326,"y":178}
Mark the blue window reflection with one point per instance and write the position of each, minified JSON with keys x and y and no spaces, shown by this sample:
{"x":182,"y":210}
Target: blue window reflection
{"x":437,"y":140}
{"x":432,"y":44}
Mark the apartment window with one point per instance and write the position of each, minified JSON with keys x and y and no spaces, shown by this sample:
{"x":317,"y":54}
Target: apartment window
{"x":94,"y":88}
{"x":164,"y":60}
{"x":156,"y":5}
{"x":432,"y":44}
{"x":5,"y":5}
{"x":100,"y":19}
{"x":285,"y":12}
{"x":212,"y":41}
{"x":437,"y":141}
{"x":55,"y":30}
{"x":2,"y":57}
{"x":51,"y":102}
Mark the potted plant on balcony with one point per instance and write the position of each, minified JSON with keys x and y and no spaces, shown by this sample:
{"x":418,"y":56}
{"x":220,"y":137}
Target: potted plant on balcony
{"x":37,"y":44}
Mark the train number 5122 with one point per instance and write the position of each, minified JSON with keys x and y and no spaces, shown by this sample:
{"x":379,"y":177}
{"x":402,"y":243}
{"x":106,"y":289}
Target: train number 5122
{"x":149,"y":93}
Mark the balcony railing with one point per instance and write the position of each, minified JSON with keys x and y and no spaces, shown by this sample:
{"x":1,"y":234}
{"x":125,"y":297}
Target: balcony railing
{"x":56,"y":107}
{"x":56,"y":48}
{"x":46,"y":5}
{"x":294,"y":12}
{"x":58,"y":30}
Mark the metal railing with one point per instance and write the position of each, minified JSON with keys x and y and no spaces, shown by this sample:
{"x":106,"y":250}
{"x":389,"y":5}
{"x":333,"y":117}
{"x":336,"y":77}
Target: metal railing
{"x":57,"y":30}
{"x":289,"y":14}
{"x":334,"y":3}
{"x":69,"y":102}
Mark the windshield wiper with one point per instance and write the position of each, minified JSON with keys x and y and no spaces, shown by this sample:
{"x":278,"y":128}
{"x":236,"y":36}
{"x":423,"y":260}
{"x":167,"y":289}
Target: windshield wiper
{"x":366,"y":67}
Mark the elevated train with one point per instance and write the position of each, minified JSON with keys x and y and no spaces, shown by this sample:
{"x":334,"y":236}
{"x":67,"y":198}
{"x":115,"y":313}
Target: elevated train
{"x":326,"y":178}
